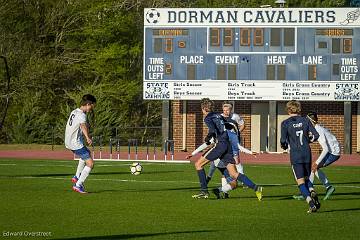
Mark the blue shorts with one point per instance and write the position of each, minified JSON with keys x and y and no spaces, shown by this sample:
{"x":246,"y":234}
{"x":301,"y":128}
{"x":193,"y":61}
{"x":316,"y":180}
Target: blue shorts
{"x":83,"y":153}
{"x":301,"y":170}
{"x":328,"y":159}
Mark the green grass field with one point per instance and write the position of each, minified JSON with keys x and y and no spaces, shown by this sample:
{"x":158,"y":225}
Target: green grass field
{"x":36,"y":196}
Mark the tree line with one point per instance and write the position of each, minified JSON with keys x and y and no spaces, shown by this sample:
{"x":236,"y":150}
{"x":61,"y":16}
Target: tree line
{"x":58,"y":50}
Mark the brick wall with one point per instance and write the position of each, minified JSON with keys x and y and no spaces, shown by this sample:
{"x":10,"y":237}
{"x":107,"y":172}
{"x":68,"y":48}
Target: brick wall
{"x":331,"y":115}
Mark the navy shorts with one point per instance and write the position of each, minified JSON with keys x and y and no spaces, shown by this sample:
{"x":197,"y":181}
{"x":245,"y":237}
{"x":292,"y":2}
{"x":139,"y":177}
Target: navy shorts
{"x":83,"y":153}
{"x":301,"y":170}
{"x":220,"y":148}
{"x":328,"y":159}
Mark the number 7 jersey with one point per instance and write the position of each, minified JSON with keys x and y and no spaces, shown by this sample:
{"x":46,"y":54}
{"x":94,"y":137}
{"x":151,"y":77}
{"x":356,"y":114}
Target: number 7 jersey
{"x":73,"y":134}
{"x":298,"y":132}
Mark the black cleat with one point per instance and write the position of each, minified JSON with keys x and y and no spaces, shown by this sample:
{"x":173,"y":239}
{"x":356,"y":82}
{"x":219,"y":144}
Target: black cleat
{"x":315,"y":199}
{"x":312,"y":207}
{"x":217,"y":193}
{"x":226,"y":195}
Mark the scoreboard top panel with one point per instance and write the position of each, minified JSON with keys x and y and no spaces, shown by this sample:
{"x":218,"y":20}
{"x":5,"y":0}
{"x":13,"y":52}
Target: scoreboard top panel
{"x":252,"y":54}
{"x":299,"y":17}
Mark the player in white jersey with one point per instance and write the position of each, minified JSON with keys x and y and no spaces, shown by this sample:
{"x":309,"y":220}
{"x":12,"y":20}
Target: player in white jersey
{"x":228,"y":114}
{"x":330,"y":153}
{"x":76,"y":130}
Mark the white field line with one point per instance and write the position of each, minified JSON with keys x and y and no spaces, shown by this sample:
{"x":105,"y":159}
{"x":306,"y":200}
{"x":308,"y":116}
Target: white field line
{"x":53,"y":164}
{"x":157,"y":181}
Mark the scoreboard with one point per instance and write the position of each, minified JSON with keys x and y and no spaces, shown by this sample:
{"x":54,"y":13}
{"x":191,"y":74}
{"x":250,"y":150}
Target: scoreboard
{"x":252,"y":54}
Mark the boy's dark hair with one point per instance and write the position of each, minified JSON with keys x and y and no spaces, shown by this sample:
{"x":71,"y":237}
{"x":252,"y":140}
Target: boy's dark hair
{"x":207,"y":105}
{"x":88,"y":99}
{"x":313,"y":117}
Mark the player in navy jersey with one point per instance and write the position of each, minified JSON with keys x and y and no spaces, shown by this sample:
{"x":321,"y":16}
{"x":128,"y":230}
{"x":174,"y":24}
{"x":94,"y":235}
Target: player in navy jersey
{"x":296,"y":133}
{"x":329,"y":154}
{"x":222,"y":150}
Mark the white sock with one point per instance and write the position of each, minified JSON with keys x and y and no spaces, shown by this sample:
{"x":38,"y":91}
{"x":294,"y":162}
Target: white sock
{"x":308,"y":199}
{"x":322,"y":177}
{"x":223,"y":181}
{"x":84,"y":174}
{"x":80,"y":167}
{"x":226,"y":188}
{"x":311,"y":177}
{"x":240,"y":168}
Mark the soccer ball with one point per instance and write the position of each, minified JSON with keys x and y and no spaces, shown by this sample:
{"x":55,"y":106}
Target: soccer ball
{"x":152,"y":16}
{"x":136,"y":168}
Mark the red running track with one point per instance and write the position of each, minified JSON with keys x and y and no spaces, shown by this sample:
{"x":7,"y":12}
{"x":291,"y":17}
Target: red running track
{"x":345,"y":160}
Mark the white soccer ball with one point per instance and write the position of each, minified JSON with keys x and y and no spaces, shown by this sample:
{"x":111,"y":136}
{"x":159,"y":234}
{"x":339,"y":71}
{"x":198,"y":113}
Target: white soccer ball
{"x":152,"y":16}
{"x":136,"y":168}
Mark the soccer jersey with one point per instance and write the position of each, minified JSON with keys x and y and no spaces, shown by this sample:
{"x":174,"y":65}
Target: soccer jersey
{"x":295,"y":132}
{"x":73,"y":134}
{"x":328,"y":142}
{"x":237,"y":118}
{"x":215,"y":124}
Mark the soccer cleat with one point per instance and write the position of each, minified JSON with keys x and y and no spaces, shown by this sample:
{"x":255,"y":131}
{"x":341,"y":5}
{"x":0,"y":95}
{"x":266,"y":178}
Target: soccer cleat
{"x":315,"y":199}
{"x":298,"y":197}
{"x":226,"y":195}
{"x":74,"y":179}
{"x":258,"y":193}
{"x":201,"y":194}
{"x":330,"y":190}
{"x":79,"y":189}
{"x":312,"y":209}
{"x":217,"y":193}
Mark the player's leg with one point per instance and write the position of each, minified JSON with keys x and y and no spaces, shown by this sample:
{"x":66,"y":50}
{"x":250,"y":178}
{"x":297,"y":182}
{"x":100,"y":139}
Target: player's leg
{"x":79,"y":169}
{"x":211,"y":155}
{"x":211,"y":172}
{"x":299,"y":174}
{"x":199,"y":166}
{"x":230,"y":166}
{"x":85,"y":155}
{"x":328,"y":160}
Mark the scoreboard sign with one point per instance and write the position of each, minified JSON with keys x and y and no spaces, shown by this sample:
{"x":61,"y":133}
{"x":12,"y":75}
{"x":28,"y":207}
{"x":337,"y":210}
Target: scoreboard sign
{"x":252,"y":54}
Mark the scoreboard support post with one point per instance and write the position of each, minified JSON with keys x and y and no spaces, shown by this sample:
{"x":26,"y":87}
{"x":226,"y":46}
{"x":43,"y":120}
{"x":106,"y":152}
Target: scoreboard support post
{"x":347,"y":127}
{"x":165,"y":123}
{"x":272,"y":126}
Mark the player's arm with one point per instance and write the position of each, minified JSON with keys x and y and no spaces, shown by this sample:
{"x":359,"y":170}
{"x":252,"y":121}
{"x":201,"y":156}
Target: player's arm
{"x":200,"y":148}
{"x":241,"y":124}
{"x":312,"y":132}
{"x":283,"y":138}
{"x":245,"y":150}
{"x":85,"y":130}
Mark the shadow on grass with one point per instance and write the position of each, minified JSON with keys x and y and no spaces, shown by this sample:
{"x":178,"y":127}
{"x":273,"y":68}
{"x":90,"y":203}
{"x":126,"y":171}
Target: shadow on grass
{"x":148,"y":190}
{"x":139,"y":235}
{"x":340,"y":210}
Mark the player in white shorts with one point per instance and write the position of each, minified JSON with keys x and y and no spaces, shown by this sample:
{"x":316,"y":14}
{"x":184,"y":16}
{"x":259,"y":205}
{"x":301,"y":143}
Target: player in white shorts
{"x":76,"y":130}
{"x":330,"y":153}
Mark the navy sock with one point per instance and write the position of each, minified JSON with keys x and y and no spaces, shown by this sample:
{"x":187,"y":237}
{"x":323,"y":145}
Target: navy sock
{"x":304,"y":190}
{"x":243,"y":178}
{"x":202,"y":179}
